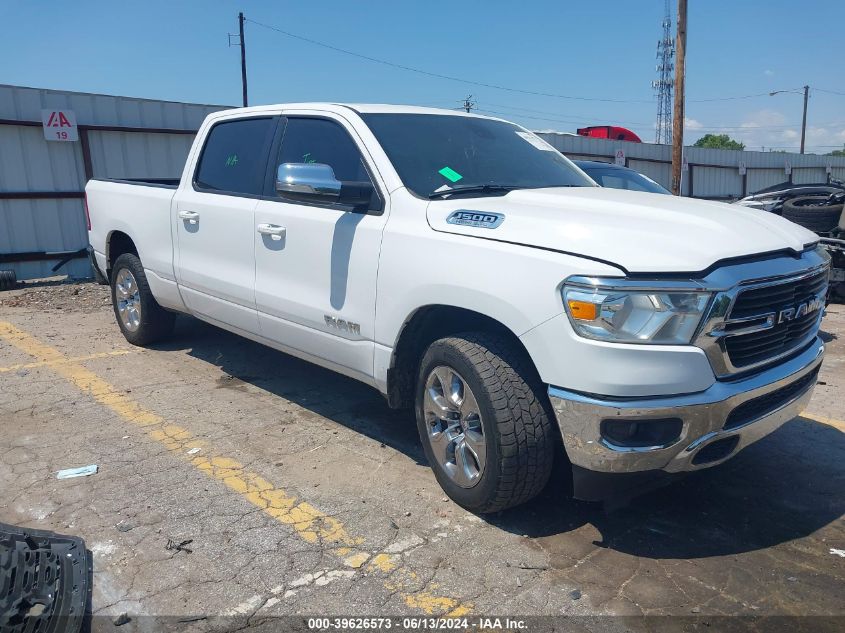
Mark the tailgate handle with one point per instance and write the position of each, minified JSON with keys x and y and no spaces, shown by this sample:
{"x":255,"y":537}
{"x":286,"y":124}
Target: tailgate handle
{"x":192,"y":217}
{"x":275,"y":231}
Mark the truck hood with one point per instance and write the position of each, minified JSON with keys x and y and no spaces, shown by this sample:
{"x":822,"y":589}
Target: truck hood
{"x":639,"y":232}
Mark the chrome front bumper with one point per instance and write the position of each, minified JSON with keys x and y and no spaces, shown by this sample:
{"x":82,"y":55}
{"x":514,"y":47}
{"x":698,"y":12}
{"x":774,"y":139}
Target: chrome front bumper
{"x":703,"y":415}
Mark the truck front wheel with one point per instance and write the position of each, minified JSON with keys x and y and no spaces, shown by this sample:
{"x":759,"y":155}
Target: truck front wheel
{"x":141,"y":319}
{"x":484,"y":421}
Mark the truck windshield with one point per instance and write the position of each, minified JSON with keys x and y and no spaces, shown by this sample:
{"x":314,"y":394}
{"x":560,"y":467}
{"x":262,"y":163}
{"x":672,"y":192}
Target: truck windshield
{"x":435,"y":153}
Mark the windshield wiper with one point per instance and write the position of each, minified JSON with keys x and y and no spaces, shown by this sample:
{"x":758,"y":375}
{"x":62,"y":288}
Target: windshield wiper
{"x":474,"y":189}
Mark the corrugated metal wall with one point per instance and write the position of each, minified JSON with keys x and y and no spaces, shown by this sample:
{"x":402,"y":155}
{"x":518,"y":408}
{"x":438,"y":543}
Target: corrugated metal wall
{"x":30,"y":164}
{"x":713,"y":173}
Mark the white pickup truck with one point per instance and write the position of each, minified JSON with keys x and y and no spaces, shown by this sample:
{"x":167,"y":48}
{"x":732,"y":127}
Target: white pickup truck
{"x":466,"y":269}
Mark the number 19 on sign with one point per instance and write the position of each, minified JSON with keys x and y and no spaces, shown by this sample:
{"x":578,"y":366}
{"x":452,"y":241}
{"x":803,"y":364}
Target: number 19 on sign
{"x":59,"y":125}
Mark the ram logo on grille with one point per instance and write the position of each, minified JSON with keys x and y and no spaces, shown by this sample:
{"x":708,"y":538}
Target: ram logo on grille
{"x":480,"y":219}
{"x":789,"y":314}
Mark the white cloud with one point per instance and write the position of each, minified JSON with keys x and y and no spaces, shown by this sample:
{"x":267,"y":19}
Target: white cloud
{"x":772,"y":129}
{"x":769,"y":73}
{"x":692,"y":124}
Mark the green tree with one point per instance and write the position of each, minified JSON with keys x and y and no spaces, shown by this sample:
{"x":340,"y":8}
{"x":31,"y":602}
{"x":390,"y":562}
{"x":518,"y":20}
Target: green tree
{"x":838,"y":152}
{"x":718,"y":141}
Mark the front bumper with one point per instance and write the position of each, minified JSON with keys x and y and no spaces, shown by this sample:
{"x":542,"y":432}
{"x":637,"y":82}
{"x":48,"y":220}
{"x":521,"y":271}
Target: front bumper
{"x":770,"y":398}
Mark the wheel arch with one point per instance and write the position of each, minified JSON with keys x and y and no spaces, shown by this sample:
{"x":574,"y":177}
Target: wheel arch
{"x":424,"y":326}
{"x":118,"y":243}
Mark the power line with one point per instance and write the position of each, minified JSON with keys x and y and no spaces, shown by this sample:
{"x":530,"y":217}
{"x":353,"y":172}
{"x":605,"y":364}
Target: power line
{"x":758,"y":94}
{"x":583,"y":118}
{"x":482,"y":84}
{"x":438,"y":75}
{"x":831,"y":92}
{"x":573,"y":118}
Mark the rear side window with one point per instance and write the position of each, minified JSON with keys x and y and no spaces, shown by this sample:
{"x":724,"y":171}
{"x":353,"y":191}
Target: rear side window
{"x":323,"y":141}
{"x":234,"y":158}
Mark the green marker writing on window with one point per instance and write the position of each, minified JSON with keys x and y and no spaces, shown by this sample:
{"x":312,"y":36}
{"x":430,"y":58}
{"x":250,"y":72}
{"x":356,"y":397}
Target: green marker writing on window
{"x":231,"y":160}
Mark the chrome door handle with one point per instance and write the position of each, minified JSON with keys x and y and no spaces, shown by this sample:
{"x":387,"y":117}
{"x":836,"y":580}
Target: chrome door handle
{"x":275,"y":231}
{"x":192,"y":217}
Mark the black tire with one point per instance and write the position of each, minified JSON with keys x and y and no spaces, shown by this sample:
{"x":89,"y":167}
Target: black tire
{"x":812,"y":213}
{"x":516,"y":419}
{"x":8,"y":280}
{"x":156,"y":322}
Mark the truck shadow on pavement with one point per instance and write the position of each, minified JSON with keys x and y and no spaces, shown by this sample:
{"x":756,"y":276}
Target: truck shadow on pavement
{"x":782,"y":488}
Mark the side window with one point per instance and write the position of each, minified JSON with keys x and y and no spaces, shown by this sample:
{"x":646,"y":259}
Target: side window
{"x":234,"y":158}
{"x":326,"y":142}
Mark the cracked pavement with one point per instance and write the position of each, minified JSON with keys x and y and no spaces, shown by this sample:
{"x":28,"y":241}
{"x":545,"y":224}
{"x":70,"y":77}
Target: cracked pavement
{"x":307,"y":495}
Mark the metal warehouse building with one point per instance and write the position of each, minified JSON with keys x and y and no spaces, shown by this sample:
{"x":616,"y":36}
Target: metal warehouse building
{"x":42,"y":182}
{"x":716,"y":174}
{"x":45,"y":162}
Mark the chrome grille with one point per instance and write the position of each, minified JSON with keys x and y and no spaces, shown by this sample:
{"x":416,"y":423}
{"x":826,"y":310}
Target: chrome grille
{"x":756,"y":301}
{"x":756,"y":316}
{"x":783,"y":335}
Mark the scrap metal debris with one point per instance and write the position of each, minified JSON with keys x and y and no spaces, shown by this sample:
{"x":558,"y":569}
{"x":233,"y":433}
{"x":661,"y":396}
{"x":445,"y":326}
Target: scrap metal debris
{"x":179,"y":547}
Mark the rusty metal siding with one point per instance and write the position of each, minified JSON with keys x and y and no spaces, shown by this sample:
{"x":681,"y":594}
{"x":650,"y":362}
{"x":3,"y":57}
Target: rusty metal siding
{"x":29,"y":163}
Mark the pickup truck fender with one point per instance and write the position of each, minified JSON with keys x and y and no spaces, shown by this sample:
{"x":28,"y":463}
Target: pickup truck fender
{"x":466,"y":272}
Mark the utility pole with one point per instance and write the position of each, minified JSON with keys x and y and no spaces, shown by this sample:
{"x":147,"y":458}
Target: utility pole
{"x":804,"y":120}
{"x":242,"y":44}
{"x":469,"y":104}
{"x":678,"y":114}
{"x":243,"y":56}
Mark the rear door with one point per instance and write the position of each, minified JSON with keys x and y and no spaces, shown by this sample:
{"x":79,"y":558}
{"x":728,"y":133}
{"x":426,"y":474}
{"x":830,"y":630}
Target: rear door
{"x":316,"y":285}
{"x":215,"y":226}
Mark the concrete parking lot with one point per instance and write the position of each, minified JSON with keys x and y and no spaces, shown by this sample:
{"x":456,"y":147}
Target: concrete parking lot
{"x":297,"y":491}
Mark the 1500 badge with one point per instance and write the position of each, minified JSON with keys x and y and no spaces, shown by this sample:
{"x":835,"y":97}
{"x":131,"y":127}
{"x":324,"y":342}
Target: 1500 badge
{"x":480,"y":219}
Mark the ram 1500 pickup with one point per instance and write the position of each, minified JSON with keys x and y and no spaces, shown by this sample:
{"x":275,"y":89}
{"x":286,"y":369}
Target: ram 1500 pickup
{"x":466,"y":269}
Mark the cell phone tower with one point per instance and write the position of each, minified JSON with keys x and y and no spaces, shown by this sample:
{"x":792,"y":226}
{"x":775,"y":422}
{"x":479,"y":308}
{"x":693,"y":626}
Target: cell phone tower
{"x":665,"y":80}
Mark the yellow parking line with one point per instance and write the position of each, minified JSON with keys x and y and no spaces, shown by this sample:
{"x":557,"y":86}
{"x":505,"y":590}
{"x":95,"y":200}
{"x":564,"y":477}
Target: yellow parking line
{"x":839,"y":425}
{"x":308,"y":522}
{"x":77,"y":359}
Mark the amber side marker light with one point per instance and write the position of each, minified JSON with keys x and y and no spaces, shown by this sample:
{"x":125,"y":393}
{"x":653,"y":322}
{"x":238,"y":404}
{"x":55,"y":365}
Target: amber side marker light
{"x":583,"y":310}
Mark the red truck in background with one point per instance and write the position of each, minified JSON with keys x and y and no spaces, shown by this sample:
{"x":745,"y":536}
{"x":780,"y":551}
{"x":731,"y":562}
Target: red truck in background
{"x":609,"y":131}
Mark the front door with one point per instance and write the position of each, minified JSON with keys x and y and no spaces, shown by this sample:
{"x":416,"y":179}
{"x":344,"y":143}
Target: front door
{"x":215,"y":223}
{"x":315,"y":278}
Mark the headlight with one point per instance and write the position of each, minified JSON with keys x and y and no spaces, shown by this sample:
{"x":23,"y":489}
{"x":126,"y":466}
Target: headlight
{"x":626,"y":315}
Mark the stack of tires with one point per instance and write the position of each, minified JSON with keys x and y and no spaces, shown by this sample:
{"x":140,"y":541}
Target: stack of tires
{"x":7,"y":279}
{"x":813,"y":212}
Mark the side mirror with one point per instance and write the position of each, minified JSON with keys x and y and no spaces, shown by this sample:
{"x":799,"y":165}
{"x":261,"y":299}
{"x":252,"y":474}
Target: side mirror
{"x":313,"y":181}
{"x":316,"y":182}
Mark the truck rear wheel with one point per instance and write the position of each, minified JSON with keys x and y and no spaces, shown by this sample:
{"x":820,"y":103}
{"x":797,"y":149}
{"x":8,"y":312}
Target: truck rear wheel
{"x":484,"y":421}
{"x":141,"y":319}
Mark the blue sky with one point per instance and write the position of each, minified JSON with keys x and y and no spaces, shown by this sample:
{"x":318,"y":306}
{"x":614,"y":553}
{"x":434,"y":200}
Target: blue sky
{"x":600,"y":50}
